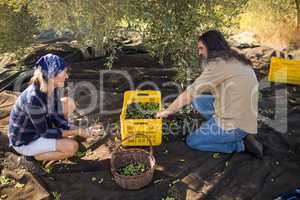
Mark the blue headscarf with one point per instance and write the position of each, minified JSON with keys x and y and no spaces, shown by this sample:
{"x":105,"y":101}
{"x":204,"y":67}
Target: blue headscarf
{"x":51,"y":65}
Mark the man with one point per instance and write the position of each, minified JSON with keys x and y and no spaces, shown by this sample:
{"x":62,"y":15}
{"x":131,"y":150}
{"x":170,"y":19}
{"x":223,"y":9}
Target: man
{"x":231,"y":110}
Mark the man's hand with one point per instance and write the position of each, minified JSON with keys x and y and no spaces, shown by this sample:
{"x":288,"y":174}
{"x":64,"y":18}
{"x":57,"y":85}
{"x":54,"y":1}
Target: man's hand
{"x":183,"y":99}
{"x":163,"y":114}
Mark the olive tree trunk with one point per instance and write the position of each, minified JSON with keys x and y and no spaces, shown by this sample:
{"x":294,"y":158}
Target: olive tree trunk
{"x":298,"y":13}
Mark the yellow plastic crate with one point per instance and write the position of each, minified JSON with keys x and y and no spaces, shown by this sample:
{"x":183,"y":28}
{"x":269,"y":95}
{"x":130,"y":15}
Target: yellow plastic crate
{"x":150,"y":127}
{"x":284,"y":71}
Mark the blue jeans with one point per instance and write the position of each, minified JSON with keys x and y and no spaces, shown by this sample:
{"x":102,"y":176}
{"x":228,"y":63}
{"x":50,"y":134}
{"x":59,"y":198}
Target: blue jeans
{"x":210,"y":137}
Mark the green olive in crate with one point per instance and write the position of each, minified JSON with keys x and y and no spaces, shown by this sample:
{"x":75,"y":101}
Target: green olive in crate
{"x":142,"y":110}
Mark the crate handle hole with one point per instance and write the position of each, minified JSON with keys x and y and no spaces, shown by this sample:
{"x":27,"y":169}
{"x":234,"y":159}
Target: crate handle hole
{"x":143,"y":94}
{"x":140,"y":123}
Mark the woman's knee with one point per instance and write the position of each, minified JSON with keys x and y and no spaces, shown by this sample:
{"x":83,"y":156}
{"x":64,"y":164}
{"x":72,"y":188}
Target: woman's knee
{"x":68,"y":146}
{"x":74,"y":147}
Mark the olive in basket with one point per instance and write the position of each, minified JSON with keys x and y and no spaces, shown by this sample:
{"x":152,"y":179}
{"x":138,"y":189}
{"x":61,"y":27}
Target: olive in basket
{"x":133,"y":169}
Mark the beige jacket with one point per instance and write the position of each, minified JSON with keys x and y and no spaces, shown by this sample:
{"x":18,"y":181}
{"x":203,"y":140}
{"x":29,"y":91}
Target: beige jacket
{"x":235,"y":88}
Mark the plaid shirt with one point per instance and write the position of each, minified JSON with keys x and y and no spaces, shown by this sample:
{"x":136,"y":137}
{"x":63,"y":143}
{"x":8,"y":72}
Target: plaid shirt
{"x":34,"y":115}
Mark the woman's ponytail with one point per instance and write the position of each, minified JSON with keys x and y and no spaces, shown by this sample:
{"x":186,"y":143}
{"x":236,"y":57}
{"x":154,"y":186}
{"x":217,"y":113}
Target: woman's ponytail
{"x":38,"y":79}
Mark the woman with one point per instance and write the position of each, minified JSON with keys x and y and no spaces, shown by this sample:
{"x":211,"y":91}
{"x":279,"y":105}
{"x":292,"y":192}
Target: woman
{"x":38,"y":126}
{"x":231,"y":110}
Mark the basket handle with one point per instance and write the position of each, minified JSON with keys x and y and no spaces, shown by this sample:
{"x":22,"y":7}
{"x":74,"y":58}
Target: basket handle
{"x":141,"y":134}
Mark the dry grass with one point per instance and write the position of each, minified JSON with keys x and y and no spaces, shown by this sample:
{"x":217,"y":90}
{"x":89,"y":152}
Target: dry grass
{"x":275,"y":26}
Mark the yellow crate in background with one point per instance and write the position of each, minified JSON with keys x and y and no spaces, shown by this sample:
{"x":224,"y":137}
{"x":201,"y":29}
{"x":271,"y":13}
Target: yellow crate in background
{"x":284,"y":71}
{"x":150,"y":127}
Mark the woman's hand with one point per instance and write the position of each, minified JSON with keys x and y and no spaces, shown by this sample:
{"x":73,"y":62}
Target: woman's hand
{"x":95,"y":131}
{"x":163,"y":114}
{"x":83,"y":133}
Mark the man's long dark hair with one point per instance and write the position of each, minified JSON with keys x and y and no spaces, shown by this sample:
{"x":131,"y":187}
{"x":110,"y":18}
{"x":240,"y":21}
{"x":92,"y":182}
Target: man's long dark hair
{"x":217,"y":46}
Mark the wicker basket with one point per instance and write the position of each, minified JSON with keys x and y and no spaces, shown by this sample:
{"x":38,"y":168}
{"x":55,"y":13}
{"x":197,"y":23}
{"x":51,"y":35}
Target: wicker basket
{"x":121,"y":157}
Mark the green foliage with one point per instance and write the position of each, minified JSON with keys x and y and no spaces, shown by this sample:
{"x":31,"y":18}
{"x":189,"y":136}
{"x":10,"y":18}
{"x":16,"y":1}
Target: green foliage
{"x":142,"y":110}
{"x":3,"y":196}
{"x":133,"y":169}
{"x":177,"y":124}
{"x":273,"y":20}
{"x":216,"y":155}
{"x":6,"y":180}
{"x":19,"y":185}
{"x":169,"y":29}
{"x":80,"y":154}
{"x":168,"y":198}
{"x":93,"y":22}
{"x":56,"y":195}
{"x":172,"y":27}
{"x":17,"y":26}
{"x":15,"y":5}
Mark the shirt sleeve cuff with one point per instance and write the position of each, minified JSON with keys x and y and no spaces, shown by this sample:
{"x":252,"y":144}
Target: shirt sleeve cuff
{"x":191,"y":90}
{"x":54,"y":133}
